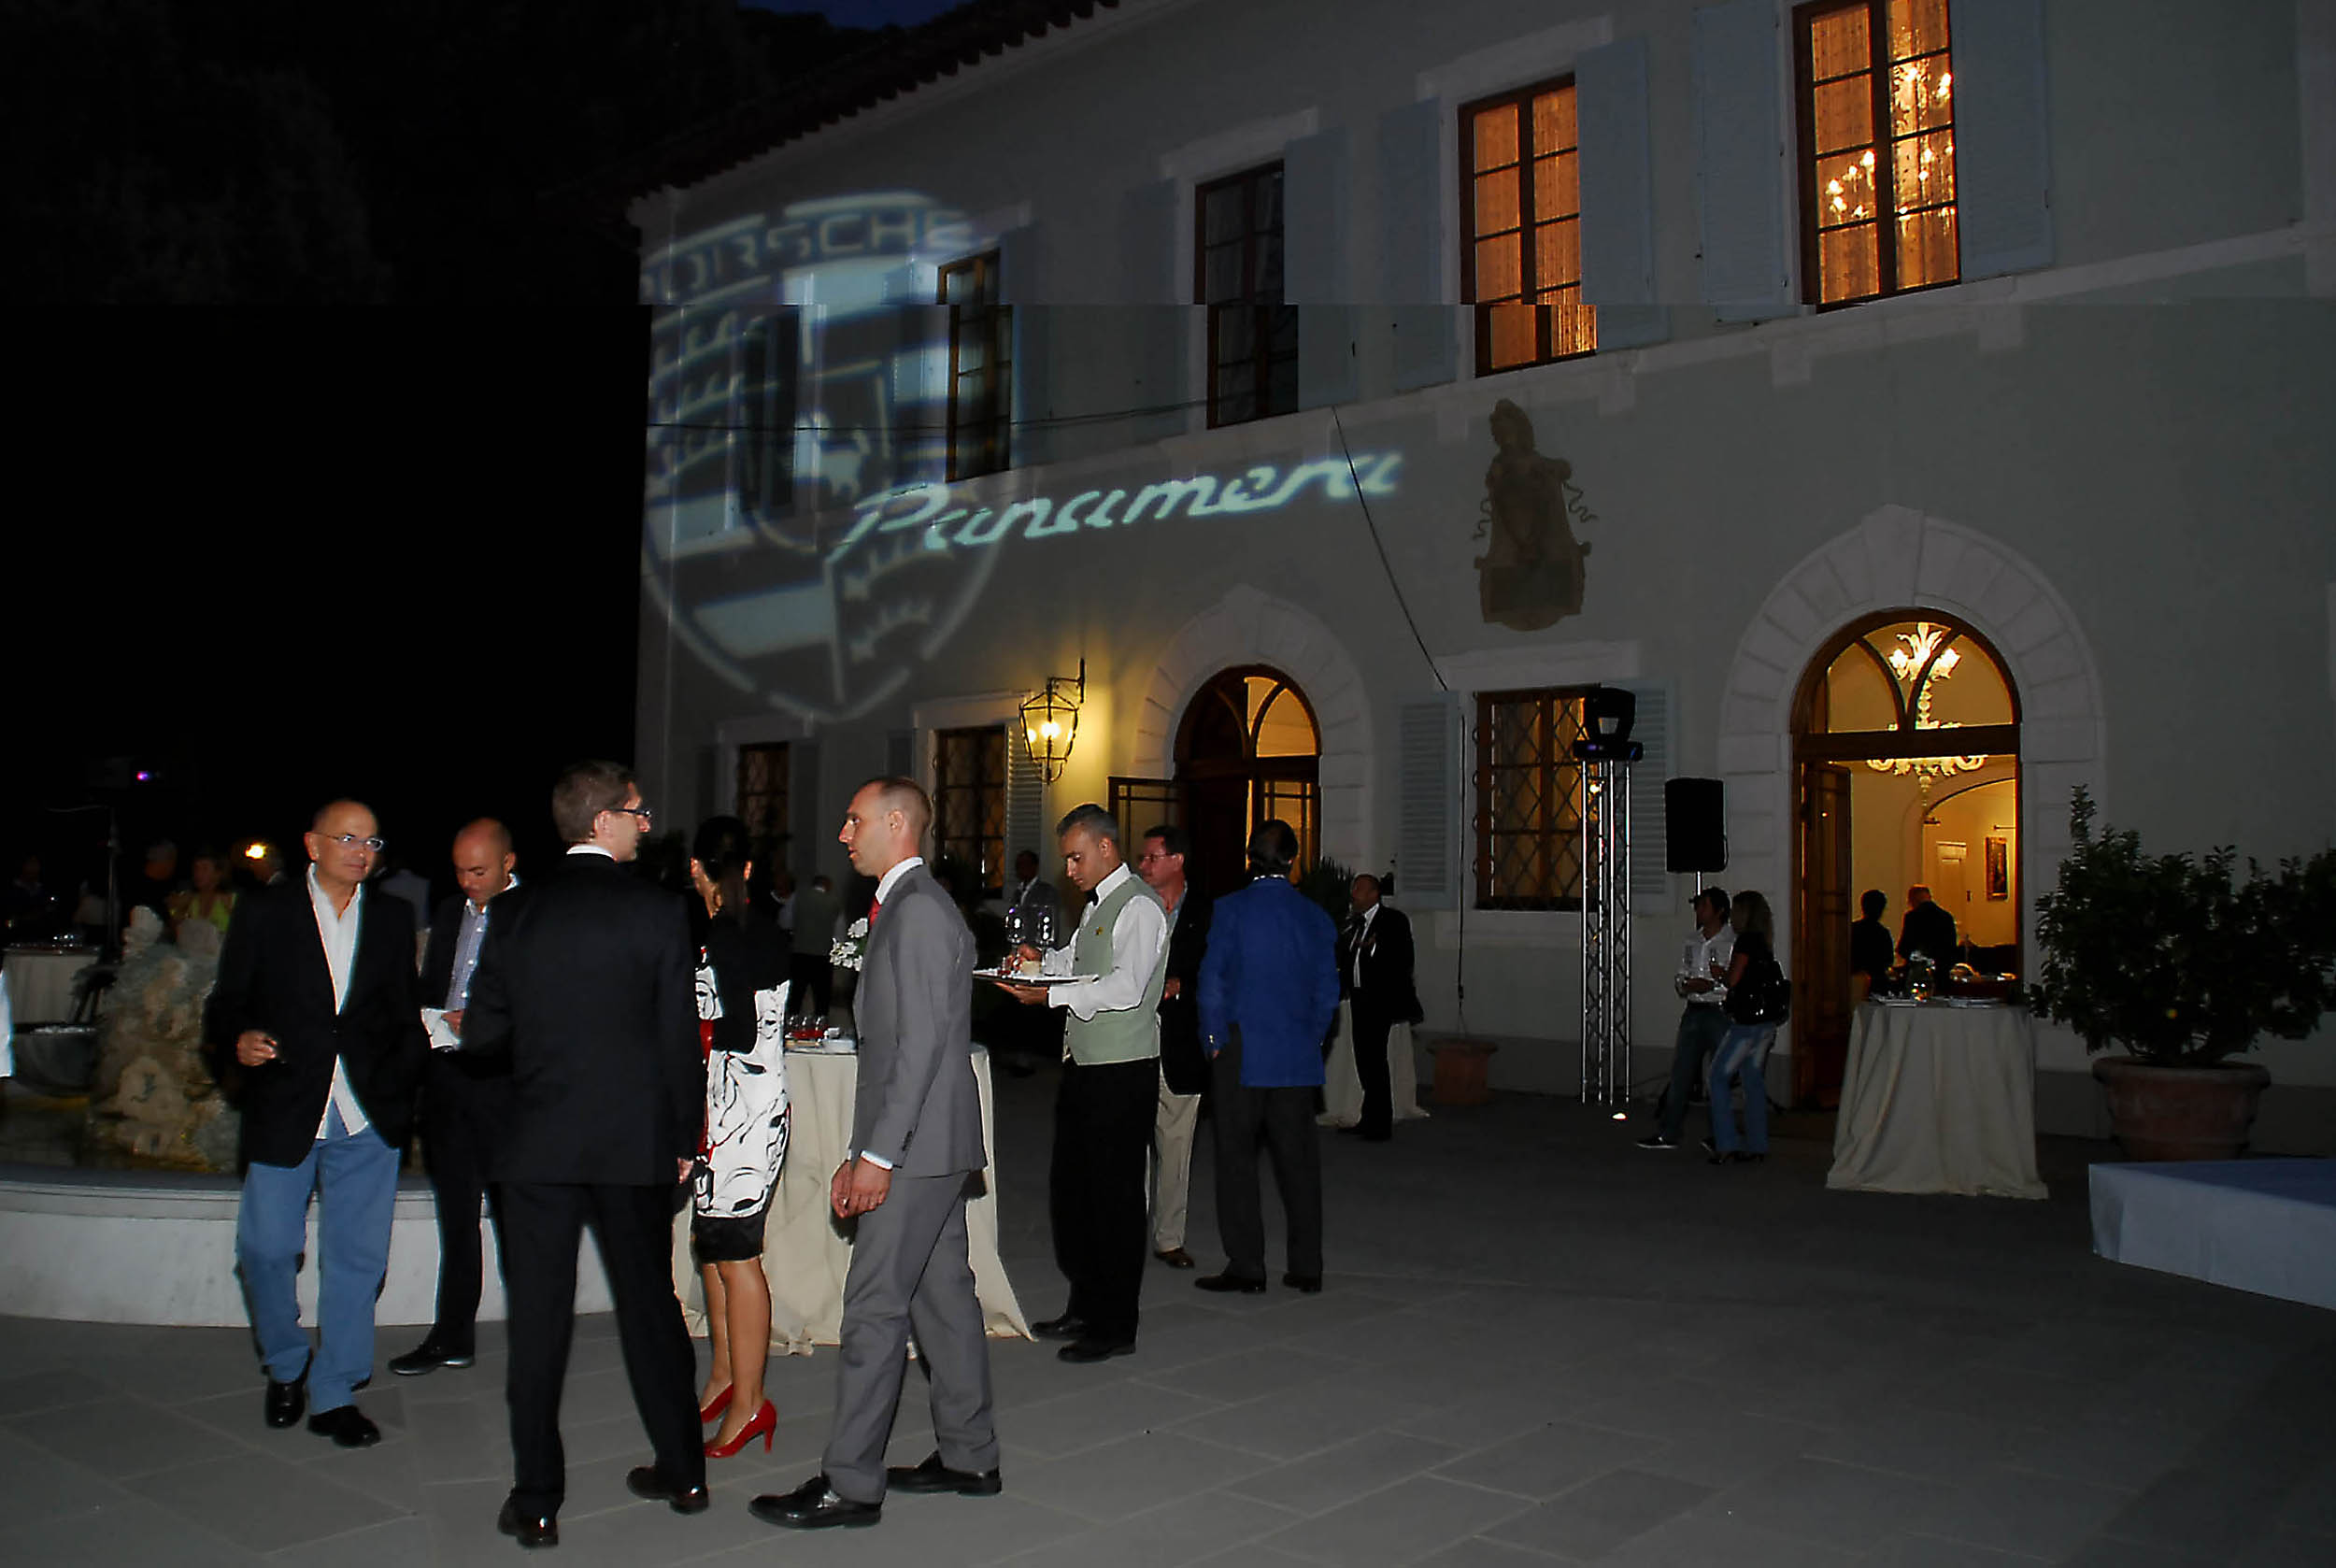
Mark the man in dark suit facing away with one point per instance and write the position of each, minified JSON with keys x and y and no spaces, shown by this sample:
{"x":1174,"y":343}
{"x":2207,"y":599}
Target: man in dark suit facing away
{"x":1374,"y":969}
{"x":586,"y":982}
{"x":315,"y":1003}
{"x":464,"y":1098}
{"x":915,"y":1138}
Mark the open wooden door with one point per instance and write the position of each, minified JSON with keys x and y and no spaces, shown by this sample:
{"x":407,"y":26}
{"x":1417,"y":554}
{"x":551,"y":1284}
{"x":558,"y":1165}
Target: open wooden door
{"x":1820,"y":943}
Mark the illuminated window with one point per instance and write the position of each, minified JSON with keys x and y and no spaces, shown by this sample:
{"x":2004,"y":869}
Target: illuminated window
{"x":1877,"y":149}
{"x":969,"y":802}
{"x":1252,"y":335}
{"x":981,"y":367}
{"x":761,"y":802}
{"x":1522,"y":269}
{"x":1529,"y":798}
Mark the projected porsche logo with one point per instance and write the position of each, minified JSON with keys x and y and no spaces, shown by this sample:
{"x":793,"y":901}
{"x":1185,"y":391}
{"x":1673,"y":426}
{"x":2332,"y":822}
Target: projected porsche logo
{"x":794,"y":538}
{"x":834,"y":635}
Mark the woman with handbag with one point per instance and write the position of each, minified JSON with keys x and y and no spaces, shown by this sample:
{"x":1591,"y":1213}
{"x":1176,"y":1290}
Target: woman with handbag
{"x":1757,"y":1001}
{"x":741,"y":1008}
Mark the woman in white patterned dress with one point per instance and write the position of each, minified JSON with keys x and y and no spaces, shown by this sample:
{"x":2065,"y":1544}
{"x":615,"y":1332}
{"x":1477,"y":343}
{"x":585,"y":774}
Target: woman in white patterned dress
{"x":741,"y":1004}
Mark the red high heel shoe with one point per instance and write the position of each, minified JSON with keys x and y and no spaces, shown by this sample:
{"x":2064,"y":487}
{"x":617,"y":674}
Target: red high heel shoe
{"x":764,"y":1425}
{"x":715,"y":1406}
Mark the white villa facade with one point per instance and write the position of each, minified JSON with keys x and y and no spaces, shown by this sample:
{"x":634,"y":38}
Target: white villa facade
{"x":2001,"y":327}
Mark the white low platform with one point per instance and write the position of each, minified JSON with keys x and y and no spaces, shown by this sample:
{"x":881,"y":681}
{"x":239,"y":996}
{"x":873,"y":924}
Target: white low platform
{"x":129,"y":1246}
{"x":2268,"y":1226}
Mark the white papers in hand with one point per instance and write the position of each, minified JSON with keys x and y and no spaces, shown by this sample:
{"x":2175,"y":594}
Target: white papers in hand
{"x":442,"y":1035}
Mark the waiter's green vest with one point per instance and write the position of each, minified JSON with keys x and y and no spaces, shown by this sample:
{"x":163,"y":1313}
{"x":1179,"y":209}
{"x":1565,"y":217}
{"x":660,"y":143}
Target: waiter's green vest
{"x":1130,"y":1034}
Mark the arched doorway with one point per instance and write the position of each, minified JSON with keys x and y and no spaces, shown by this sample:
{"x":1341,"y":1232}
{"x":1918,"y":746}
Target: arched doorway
{"x":1248,"y":749}
{"x":1906,"y":755}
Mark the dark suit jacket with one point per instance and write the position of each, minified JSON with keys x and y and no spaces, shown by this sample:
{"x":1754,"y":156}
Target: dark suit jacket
{"x":272,"y":976}
{"x":585,"y":980}
{"x":437,"y":958}
{"x":746,"y":957}
{"x":480,"y":1078}
{"x":1181,"y":1060}
{"x":1386,"y":965}
{"x":1928,"y":929}
{"x":916,"y":1102}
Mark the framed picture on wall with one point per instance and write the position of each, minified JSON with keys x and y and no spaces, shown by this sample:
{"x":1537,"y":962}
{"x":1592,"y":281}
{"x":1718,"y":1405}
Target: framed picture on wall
{"x":1999,"y":868}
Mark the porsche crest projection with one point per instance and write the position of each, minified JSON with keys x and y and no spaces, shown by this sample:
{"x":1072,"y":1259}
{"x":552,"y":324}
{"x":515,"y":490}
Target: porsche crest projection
{"x":798,"y":535}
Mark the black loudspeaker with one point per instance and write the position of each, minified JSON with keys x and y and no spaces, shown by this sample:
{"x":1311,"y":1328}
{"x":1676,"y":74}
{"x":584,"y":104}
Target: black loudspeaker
{"x":1695,"y":819}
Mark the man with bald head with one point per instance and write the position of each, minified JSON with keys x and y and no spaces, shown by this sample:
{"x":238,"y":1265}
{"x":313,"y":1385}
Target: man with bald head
{"x":464,"y":1098}
{"x":315,"y":1007}
{"x":916,"y":1139}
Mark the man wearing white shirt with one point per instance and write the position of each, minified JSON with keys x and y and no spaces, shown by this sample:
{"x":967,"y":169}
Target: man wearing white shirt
{"x":314,"y":1003}
{"x":1702,"y":965}
{"x":1103,"y":1126}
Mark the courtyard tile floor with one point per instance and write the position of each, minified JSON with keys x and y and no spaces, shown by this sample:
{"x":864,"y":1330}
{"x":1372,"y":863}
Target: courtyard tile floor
{"x":1538,"y":1344}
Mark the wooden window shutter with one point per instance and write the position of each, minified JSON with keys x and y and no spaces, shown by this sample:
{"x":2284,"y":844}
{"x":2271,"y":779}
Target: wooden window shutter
{"x":2002,"y":142}
{"x":1411,"y":158}
{"x":1317,"y":276}
{"x":1740,"y":161}
{"x":1617,"y":195}
{"x":1651,"y":889}
{"x":1427,"y":809}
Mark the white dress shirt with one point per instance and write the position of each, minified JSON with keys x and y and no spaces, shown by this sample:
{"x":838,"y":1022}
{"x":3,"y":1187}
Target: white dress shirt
{"x":1138,"y":939}
{"x":1703,"y":952}
{"x":1362,"y":934}
{"x":337,"y":930}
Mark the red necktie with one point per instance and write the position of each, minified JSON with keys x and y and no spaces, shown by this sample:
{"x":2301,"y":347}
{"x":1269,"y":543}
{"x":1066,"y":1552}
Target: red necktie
{"x":876,"y":907}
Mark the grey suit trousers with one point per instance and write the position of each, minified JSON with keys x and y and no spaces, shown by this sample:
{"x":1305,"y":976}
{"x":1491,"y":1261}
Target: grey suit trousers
{"x":910,"y":1270}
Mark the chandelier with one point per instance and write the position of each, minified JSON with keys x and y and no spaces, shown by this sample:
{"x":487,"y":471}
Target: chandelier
{"x":1920,"y":659}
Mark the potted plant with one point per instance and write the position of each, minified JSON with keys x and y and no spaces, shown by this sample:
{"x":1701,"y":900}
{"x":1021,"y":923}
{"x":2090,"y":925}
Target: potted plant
{"x":2182,"y":964}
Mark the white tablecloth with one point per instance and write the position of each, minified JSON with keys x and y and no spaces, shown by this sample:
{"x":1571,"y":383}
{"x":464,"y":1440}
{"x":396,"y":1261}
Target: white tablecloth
{"x":1342,"y":1085}
{"x":2262,"y":1225}
{"x":40,"y":982}
{"x":1939,"y":1099}
{"x":805,"y":1254}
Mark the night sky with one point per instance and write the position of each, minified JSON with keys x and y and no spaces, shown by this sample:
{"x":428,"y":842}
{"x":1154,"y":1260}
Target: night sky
{"x":332,"y":478}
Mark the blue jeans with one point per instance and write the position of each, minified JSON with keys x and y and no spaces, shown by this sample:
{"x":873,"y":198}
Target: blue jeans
{"x":1702,"y":1027}
{"x":1740,"y":1052}
{"x":357,"y":1174}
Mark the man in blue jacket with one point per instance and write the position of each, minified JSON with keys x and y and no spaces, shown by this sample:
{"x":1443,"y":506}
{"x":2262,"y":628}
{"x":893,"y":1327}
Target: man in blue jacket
{"x":1269,"y":989}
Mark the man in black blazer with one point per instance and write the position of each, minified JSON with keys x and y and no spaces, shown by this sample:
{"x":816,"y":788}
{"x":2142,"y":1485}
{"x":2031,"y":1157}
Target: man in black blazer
{"x":1374,"y":962}
{"x":1183,"y":1065}
{"x":315,"y":1006}
{"x":584,"y":982}
{"x":465,"y":1097}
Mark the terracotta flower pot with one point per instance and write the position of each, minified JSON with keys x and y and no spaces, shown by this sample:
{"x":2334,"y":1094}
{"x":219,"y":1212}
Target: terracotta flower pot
{"x":2181,"y":1113}
{"x":1462,"y":1071}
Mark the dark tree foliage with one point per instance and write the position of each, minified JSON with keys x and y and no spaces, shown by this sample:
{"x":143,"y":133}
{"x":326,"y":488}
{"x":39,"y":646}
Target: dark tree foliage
{"x":429,"y":151}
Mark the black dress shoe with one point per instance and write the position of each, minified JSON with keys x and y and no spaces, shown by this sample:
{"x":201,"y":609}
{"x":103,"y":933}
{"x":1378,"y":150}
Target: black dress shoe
{"x":1309,"y":1283}
{"x":527,"y":1529}
{"x":1069,"y":1326}
{"x":646,"y":1480}
{"x":1175,"y":1258}
{"x":933,"y":1476}
{"x":1226,"y":1283}
{"x":346,"y":1425}
{"x":430,"y":1355}
{"x":813,"y":1505}
{"x":1095,"y":1349}
{"x":287,"y":1401}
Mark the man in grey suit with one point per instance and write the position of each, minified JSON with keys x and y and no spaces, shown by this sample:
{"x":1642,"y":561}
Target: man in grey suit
{"x":916,"y":1139}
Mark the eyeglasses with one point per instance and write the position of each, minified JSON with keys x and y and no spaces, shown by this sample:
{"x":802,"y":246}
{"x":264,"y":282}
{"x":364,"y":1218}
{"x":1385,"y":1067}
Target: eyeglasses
{"x":375,"y":845}
{"x":640,"y":811}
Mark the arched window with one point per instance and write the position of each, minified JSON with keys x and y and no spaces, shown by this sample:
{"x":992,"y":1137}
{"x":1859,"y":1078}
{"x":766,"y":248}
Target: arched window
{"x":1248,"y":750}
